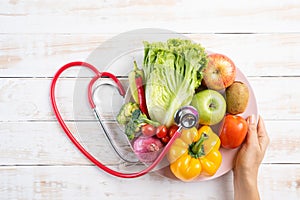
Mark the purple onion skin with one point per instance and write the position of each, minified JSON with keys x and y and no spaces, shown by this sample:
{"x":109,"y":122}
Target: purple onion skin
{"x":147,"y":148}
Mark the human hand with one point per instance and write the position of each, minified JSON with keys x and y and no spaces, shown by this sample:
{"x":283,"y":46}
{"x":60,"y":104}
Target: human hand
{"x":249,"y":158}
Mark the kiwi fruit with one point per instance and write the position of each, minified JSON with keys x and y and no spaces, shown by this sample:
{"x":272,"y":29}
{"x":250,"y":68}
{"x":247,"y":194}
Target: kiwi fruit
{"x":237,"y":96}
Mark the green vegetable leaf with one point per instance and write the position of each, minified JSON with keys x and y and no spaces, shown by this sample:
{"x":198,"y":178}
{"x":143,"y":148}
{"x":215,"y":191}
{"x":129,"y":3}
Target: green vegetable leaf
{"x":173,"y":70}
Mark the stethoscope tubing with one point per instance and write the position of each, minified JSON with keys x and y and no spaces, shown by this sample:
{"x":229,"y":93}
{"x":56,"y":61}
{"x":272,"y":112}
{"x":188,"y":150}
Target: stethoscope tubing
{"x":93,"y":106}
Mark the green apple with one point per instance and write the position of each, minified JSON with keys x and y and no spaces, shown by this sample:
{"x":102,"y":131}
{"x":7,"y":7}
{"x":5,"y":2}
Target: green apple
{"x":211,"y":106}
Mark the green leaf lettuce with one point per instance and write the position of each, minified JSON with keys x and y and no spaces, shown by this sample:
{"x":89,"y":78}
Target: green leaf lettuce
{"x":173,"y":70}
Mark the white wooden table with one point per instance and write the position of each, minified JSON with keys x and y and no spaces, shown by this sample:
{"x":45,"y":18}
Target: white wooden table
{"x":37,"y":161}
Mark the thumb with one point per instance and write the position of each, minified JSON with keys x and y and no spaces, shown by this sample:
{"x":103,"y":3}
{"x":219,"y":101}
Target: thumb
{"x":263,"y":137}
{"x":252,"y":129}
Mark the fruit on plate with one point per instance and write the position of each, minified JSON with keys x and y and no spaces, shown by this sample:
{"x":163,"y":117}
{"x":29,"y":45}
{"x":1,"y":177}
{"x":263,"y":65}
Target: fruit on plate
{"x":194,"y":153}
{"x":172,"y":130}
{"x":148,"y":130}
{"x":237,"y":96}
{"x":233,"y":132}
{"x":219,"y":73}
{"x":211,"y":106}
{"x":161,"y":131}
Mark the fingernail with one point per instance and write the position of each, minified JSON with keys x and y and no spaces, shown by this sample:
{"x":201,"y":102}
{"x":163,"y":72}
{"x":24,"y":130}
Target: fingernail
{"x":252,"y":119}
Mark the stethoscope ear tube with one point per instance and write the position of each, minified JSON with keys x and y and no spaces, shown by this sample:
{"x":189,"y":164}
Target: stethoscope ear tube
{"x":101,"y":75}
{"x":92,"y":104}
{"x":105,"y":131}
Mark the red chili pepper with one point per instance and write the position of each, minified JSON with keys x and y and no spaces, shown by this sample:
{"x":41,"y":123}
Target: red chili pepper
{"x":141,"y":92}
{"x":141,"y":95}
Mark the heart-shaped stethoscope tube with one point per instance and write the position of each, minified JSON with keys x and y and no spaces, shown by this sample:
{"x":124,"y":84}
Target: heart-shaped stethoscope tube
{"x":91,"y":96}
{"x":92,"y":104}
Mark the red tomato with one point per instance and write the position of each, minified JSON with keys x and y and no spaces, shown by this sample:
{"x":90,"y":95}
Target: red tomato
{"x":161,"y":131}
{"x":172,"y":130}
{"x":148,"y":130}
{"x":233,"y":132}
{"x":165,"y":139}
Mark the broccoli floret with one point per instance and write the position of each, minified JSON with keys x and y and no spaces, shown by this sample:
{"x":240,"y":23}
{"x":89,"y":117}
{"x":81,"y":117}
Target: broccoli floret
{"x":131,"y":116}
{"x":138,"y":119}
{"x":125,"y":112}
{"x":131,"y":129}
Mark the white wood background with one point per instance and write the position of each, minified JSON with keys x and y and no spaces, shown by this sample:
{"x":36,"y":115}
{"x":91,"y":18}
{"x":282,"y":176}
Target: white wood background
{"x":37,"y":161}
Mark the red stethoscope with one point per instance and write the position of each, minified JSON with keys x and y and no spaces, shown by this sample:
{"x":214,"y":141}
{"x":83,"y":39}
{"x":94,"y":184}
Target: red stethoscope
{"x":185,"y":117}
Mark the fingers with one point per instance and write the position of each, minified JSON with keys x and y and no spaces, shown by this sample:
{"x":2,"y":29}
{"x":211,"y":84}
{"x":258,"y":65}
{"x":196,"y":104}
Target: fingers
{"x":262,"y":134}
{"x":252,"y":129}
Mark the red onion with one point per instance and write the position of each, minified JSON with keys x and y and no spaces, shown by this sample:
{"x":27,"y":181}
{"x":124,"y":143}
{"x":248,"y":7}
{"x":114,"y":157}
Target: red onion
{"x":147,"y":148}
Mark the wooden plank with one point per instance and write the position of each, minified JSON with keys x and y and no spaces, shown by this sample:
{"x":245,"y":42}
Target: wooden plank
{"x":30,"y":55}
{"x":44,"y":143}
{"x":284,"y":140}
{"x":28,"y":99}
{"x":41,"y":55}
{"x":277,"y":97}
{"x":28,"y":143}
{"x":180,"y":16}
{"x":87,"y":182}
{"x":273,"y":182}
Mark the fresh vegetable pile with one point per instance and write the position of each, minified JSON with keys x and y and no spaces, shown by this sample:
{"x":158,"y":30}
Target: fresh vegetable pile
{"x":173,"y":70}
{"x":174,"y":74}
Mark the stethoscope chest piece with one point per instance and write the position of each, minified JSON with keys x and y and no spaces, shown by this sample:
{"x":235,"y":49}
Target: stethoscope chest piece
{"x":186,"y":117}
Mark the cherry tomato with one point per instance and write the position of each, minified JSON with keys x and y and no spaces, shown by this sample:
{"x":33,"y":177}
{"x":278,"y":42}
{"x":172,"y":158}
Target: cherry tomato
{"x":172,"y":130}
{"x":233,"y":132}
{"x":165,"y":139}
{"x":148,"y":130}
{"x":161,"y":131}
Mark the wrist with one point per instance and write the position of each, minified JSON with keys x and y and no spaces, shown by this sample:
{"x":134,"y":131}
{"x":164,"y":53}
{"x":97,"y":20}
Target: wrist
{"x":245,"y":186}
{"x":247,"y":176}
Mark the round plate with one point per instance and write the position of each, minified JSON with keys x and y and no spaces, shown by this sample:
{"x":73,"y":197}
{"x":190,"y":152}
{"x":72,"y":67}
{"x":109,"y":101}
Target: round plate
{"x":120,"y":63}
{"x":227,"y":154}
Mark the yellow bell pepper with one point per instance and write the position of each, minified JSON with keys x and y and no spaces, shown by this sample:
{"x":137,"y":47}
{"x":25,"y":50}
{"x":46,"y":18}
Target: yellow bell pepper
{"x":194,"y":153}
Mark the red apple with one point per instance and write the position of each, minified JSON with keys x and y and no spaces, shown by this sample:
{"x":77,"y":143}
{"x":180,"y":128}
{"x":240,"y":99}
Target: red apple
{"x":219,"y":73}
